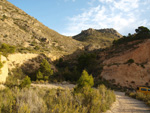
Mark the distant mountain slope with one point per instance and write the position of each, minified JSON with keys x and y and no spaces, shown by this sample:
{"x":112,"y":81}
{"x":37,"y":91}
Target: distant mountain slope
{"x":98,"y":38}
{"x":20,"y":29}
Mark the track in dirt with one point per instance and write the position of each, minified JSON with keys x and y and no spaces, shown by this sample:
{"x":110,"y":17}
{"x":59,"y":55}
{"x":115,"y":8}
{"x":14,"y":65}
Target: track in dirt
{"x":126,"y":104}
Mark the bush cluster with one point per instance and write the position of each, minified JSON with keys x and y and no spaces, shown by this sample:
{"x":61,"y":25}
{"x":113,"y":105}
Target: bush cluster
{"x":6,"y":49}
{"x":140,"y":96}
{"x":83,"y":99}
{"x":15,"y":77}
{"x":44,"y":71}
{"x":71,"y":70}
{"x":36,"y":100}
{"x":141,"y":33}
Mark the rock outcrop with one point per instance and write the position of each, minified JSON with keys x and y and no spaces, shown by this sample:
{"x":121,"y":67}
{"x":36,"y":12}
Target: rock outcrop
{"x":18,"y":59}
{"x":96,"y":39}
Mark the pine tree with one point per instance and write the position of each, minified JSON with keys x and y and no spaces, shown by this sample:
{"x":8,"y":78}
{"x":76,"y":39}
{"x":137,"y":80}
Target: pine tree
{"x":26,"y":82}
{"x":39,"y":76}
{"x":44,"y":71}
{"x":85,"y":80}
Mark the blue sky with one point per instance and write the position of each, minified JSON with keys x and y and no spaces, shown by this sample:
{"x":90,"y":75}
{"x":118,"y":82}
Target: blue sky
{"x":70,"y":17}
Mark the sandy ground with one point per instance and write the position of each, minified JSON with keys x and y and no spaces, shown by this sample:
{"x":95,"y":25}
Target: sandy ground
{"x":2,"y":86}
{"x":126,"y":104}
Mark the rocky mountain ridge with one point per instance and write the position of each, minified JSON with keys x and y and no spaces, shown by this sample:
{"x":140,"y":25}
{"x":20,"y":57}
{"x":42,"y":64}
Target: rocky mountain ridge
{"x":95,"y":39}
{"x":91,"y":31}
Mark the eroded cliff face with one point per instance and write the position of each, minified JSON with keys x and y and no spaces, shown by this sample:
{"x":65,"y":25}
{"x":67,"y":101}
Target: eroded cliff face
{"x":131,"y":74}
{"x":19,"y":59}
{"x":4,"y":70}
{"x":29,"y":63}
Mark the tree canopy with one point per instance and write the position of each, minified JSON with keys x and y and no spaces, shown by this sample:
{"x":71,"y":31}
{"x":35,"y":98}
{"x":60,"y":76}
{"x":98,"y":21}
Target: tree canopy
{"x":85,"y":80}
{"x":44,"y":71}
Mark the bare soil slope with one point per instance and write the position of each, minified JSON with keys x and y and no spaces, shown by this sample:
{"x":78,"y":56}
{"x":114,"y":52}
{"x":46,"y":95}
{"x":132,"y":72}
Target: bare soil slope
{"x":119,"y":68}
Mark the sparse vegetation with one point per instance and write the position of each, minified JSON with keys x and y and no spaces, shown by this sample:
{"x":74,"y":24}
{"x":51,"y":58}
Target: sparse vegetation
{"x":141,"y":33}
{"x":15,"y":77}
{"x":4,"y":17}
{"x":6,"y":49}
{"x":1,"y":64}
{"x":98,"y":38}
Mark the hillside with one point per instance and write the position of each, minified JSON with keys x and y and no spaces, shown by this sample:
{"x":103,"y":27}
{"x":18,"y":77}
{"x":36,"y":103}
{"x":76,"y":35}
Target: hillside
{"x":128,"y":64}
{"x":29,"y":35}
{"x":95,"y":39}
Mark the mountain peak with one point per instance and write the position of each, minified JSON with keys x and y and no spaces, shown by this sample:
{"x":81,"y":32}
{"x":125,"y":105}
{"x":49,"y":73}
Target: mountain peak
{"x":91,"y":31}
{"x":88,"y":31}
{"x":98,"y":38}
{"x":110,"y":30}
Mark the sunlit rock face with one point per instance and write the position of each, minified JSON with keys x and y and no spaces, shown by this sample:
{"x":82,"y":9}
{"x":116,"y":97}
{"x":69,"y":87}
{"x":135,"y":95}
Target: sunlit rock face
{"x":4,"y":70}
{"x":132,"y":74}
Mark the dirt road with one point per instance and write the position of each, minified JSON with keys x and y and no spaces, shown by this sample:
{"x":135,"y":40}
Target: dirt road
{"x":126,"y":104}
{"x":53,"y":85}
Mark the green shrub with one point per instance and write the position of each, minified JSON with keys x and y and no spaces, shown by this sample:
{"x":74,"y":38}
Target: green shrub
{"x":108,"y":97}
{"x":39,"y":76}
{"x":4,"y":17}
{"x":141,"y":33}
{"x":44,"y":71}
{"x":7,"y":49}
{"x":140,"y":96}
{"x":133,"y":95}
{"x":87,"y":61}
{"x":85,"y":80}
{"x":1,"y":63}
{"x":26,"y":82}
{"x":130,"y":61}
{"x":15,"y":77}
{"x":24,"y":108}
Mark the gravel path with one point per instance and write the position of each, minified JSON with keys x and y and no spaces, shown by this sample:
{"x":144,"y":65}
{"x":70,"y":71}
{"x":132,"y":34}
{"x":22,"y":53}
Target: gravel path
{"x":126,"y":104}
